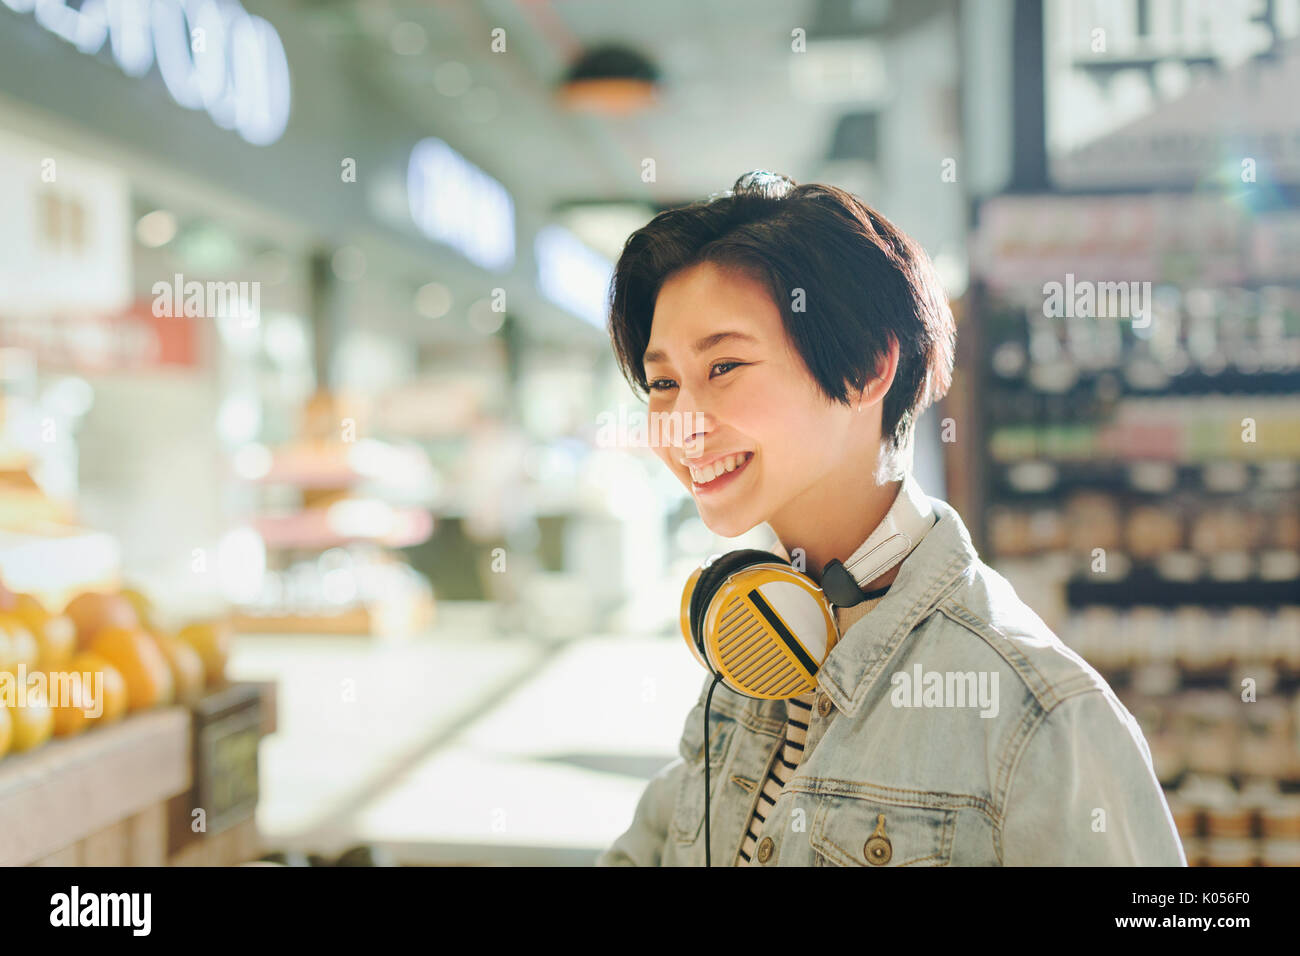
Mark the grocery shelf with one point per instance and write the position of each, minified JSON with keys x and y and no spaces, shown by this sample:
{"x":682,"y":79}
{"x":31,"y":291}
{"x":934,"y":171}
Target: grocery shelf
{"x":1143,"y":586}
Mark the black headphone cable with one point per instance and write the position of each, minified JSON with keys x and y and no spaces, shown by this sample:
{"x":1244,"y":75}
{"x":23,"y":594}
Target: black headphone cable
{"x":849,"y":598}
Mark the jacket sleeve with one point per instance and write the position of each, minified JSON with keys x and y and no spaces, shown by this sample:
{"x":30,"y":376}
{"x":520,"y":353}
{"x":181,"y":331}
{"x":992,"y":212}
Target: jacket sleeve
{"x":1085,"y":793}
{"x":642,"y":844}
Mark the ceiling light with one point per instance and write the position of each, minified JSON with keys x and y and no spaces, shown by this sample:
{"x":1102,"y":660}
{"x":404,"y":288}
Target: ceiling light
{"x":611,"y":79}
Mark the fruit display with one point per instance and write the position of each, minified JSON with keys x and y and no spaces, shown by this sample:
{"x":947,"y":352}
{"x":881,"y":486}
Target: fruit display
{"x":32,"y":719}
{"x":104,"y":657}
{"x":136,"y":655}
{"x":93,"y":611}
{"x":56,"y":634}
{"x":111,"y":683}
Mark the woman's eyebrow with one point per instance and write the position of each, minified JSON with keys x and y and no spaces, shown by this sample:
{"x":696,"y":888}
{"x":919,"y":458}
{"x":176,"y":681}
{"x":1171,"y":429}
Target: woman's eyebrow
{"x":657,"y":355}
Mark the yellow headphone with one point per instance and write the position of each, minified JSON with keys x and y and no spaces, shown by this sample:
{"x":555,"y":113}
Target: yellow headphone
{"x":764,"y":628}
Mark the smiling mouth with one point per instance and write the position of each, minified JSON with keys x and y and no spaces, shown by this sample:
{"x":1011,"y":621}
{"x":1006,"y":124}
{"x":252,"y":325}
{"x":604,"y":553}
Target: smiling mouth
{"x":717,"y":476}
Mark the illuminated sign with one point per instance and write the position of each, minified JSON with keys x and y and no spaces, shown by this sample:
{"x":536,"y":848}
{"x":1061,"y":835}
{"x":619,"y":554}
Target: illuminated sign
{"x":571,"y":275}
{"x":453,"y":201}
{"x":213,"y":55}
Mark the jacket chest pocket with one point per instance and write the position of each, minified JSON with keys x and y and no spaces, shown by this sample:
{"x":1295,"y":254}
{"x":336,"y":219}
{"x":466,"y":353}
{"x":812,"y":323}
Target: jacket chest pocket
{"x":688,"y":810}
{"x":859,"y":831}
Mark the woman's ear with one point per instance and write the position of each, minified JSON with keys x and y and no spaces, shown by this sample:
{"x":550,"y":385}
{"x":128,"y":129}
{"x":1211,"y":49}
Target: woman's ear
{"x":877,"y":387}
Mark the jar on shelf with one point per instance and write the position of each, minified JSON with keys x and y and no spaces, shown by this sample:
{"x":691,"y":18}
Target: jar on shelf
{"x":1245,"y":632}
{"x":1152,"y":530}
{"x":1009,"y":532}
{"x":1231,"y":851}
{"x":1192,"y":649}
{"x":1207,"y":722}
{"x":1279,"y":852}
{"x":1093,"y":520}
{"x":1221,"y":528}
{"x":1266,"y":730}
{"x":1286,"y":635}
{"x":1218,"y":653}
{"x":1147,"y":636}
{"x":1279,"y":817}
{"x":1046,"y":530}
{"x":1114,"y":650}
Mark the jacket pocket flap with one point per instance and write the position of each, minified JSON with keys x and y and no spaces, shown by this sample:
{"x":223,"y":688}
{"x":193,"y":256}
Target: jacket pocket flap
{"x":857,"y":831}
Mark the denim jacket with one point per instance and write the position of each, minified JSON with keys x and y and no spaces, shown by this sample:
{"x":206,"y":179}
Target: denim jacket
{"x":950,"y":727}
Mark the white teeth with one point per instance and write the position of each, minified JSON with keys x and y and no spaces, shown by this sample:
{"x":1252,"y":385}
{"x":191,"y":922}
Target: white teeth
{"x":702,"y":476}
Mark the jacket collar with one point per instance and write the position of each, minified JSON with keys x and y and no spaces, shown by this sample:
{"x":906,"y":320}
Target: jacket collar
{"x":864,"y":651}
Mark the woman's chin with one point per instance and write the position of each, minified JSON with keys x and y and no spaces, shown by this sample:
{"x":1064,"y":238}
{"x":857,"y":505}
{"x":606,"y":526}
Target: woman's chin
{"x":726,"y":525}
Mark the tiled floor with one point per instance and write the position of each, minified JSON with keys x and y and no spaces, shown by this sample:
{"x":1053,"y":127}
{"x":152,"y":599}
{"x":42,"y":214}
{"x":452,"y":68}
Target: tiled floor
{"x":463,"y":747}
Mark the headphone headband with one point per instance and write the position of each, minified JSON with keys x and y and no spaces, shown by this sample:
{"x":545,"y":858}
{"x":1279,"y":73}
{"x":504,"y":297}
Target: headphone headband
{"x":899,"y":532}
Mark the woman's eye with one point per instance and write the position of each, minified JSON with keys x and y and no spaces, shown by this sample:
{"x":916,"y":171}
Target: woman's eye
{"x":663,"y":384}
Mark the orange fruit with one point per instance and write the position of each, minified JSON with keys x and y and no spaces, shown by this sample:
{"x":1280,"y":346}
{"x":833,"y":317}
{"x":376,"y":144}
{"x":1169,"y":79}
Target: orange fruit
{"x":56,"y":635}
{"x":142,"y":606}
{"x":6,"y":730}
{"x":112,"y":685}
{"x":33,"y":720}
{"x":17,"y":646}
{"x":212,"y":640}
{"x":187,"y":668}
{"x":134,"y":653}
{"x":73,"y":699}
{"x":92,"y":612}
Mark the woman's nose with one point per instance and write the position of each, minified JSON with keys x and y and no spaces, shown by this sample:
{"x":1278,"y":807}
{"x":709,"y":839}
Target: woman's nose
{"x":695,"y":428}
{"x":688,"y":425}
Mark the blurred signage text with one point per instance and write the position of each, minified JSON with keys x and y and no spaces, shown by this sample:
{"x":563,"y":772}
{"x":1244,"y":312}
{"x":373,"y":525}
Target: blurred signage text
{"x":453,"y":201}
{"x":571,"y":275}
{"x":213,"y":55}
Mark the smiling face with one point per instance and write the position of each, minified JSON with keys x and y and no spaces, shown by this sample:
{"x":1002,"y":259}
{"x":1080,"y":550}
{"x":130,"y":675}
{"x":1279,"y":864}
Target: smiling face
{"x":748,"y":394}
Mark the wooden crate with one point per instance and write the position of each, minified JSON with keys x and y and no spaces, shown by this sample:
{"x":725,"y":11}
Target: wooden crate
{"x":97,"y":799}
{"x":108,"y":797}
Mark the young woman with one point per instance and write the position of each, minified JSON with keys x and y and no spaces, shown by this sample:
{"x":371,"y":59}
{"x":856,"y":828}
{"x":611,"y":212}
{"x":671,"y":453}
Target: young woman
{"x":793,"y":335}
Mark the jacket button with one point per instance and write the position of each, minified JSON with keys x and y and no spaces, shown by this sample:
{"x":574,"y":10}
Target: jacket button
{"x":877,"y":851}
{"x":765,"y":850}
{"x":824,"y":705}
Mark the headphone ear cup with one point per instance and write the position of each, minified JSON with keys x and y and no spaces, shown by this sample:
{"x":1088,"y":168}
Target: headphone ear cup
{"x":711,"y":577}
{"x":684,"y":617}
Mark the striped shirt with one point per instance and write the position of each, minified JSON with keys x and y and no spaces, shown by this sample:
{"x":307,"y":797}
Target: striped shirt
{"x":798,"y":716}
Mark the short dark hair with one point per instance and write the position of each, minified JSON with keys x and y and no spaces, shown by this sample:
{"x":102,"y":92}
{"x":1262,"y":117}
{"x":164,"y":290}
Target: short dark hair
{"x":864,"y":283}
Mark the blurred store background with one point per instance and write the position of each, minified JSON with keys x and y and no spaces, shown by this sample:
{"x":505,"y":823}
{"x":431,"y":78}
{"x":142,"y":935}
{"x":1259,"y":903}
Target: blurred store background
{"x":305,"y":374}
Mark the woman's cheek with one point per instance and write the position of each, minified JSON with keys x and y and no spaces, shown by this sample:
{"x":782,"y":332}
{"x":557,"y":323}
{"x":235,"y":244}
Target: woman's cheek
{"x":772,"y":419}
